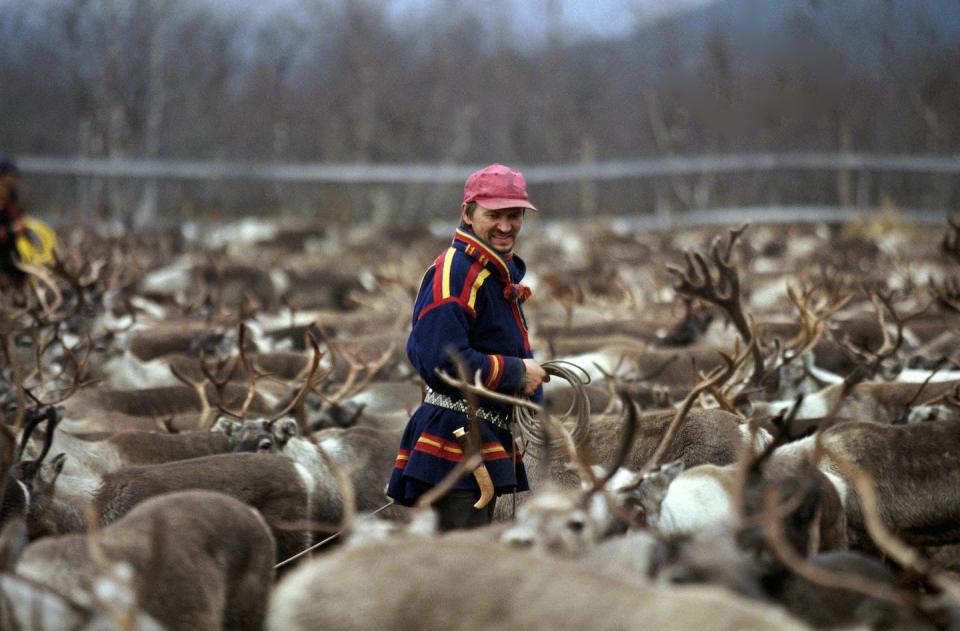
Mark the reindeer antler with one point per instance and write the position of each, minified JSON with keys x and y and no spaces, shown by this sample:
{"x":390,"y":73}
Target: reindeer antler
{"x":796,"y":563}
{"x":308,"y":382}
{"x":219,"y":385}
{"x":76,"y":382}
{"x":478,"y":389}
{"x":353,"y":382}
{"x":872,"y":360}
{"x":814,"y":310}
{"x":946,"y":293}
{"x":892,"y":546}
{"x":199,"y":386}
{"x":716,"y":377}
{"x":697,"y":281}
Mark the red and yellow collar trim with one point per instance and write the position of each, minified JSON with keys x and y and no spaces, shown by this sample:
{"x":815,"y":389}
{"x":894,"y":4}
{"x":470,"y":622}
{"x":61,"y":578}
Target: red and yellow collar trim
{"x":483,"y":253}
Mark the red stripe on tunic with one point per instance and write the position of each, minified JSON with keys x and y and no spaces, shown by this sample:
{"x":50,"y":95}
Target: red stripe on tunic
{"x":438,"y":277}
{"x":447,"y":450}
{"x":496,"y":372}
{"x":468,"y":284}
{"x":403,"y":455}
{"x":454,"y":299}
{"x":493,"y":257}
{"x":519,"y":320}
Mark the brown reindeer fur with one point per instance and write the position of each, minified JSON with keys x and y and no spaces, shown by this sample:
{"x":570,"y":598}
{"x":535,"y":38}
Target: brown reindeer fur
{"x":186,"y":338}
{"x":271,"y":483}
{"x":706,"y":437}
{"x":672,"y":366}
{"x":823,"y":607}
{"x":818,"y":522}
{"x":916,"y":469}
{"x":203,"y":560}
{"x":886,"y":402}
{"x":455,"y":583}
{"x":279,"y":365}
{"x":137,"y":447}
{"x":367,"y":455}
{"x":110,"y":410}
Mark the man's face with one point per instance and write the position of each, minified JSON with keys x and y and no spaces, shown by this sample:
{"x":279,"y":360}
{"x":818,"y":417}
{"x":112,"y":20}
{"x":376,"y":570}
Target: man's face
{"x":498,"y":228}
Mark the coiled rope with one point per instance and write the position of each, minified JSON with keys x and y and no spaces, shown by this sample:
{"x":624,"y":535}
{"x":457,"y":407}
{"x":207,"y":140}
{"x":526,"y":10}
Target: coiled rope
{"x":576,"y":420}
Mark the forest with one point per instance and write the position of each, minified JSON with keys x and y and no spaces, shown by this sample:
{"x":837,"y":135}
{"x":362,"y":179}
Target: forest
{"x":333,"y":81}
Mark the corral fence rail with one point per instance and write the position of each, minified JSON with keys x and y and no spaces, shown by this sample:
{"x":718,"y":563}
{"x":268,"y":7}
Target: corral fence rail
{"x":658,"y":188}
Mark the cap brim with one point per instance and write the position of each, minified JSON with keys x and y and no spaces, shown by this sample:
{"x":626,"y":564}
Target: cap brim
{"x":499,"y":203}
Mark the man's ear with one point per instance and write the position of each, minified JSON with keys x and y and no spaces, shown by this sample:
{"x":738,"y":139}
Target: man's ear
{"x":463,"y":215}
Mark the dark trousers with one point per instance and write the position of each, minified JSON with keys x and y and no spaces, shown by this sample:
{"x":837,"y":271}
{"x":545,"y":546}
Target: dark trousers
{"x":12,"y":276}
{"x":455,"y":510}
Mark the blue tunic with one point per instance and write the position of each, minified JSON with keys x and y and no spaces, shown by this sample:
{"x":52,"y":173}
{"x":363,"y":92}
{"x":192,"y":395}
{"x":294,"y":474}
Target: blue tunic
{"x":469,"y":305}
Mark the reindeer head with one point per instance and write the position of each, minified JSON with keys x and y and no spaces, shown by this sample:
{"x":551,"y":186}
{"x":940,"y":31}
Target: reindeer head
{"x":649,"y":489}
{"x":557,"y":522}
{"x":325,"y":414}
{"x":40,"y":480}
{"x":682,"y":559}
{"x":283,"y":430}
{"x":254,"y":435}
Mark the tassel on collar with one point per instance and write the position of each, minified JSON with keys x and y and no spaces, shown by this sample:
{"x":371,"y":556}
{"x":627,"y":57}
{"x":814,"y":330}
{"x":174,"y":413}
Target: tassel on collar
{"x":516,"y":292}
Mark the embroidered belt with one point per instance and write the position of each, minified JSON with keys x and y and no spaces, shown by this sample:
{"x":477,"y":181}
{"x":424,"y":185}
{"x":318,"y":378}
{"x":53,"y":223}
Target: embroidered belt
{"x":459,"y":405}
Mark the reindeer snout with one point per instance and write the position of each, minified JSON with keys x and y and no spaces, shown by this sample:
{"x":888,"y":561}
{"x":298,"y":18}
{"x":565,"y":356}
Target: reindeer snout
{"x":519,"y":537}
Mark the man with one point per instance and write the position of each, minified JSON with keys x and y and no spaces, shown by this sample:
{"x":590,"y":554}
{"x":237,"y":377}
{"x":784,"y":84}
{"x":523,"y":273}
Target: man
{"x":469,"y":309}
{"x":11,"y":225}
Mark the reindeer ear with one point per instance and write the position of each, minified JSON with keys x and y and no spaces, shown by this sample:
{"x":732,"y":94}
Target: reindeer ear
{"x":671,"y":470}
{"x":283,"y":430}
{"x":225,"y":425}
{"x":49,"y":471}
{"x":654,"y":486}
{"x":356,"y":415}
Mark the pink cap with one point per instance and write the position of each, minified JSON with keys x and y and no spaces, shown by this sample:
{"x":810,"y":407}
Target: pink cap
{"x":496,"y":187}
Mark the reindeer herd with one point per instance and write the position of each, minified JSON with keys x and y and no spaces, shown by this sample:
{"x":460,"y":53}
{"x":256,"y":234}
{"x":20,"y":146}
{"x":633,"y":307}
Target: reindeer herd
{"x":756,"y":428}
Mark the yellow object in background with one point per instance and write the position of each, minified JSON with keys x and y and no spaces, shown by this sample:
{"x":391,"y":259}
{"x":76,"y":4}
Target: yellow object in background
{"x":36,"y":248}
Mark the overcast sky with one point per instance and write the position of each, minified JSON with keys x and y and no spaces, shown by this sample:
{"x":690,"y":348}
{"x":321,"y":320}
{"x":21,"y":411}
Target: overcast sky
{"x":577,"y":18}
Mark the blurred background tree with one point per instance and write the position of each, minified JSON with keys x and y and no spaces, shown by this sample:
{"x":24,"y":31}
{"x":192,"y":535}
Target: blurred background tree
{"x":461,"y":83}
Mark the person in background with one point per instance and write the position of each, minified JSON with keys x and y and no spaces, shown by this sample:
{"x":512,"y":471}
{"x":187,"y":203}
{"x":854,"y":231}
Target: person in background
{"x":11,"y":225}
{"x":469,"y":309}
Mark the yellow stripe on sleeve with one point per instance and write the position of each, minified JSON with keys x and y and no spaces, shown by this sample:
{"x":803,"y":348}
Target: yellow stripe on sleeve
{"x":477,"y":283}
{"x":447,"y":263}
{"x":494,"y":369}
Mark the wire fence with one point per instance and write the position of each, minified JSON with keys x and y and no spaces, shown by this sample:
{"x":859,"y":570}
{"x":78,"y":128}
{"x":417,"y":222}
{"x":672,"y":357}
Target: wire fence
{"x":452,"y":173}
{"x":655,"y":189}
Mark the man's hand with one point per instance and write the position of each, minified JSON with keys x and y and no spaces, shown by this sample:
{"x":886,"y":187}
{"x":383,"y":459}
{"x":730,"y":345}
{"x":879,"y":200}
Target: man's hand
{"x":535,"y":376}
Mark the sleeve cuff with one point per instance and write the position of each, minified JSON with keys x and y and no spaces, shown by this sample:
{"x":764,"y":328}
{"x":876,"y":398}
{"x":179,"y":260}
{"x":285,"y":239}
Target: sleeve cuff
{"x":514,"y":375}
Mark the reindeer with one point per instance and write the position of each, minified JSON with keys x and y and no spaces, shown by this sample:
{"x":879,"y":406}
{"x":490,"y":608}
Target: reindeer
{"x":367,"y":455}
{"x":706,"y":501}
{"x":100,"y":410}
{"x":186,"y":406}
{"x":912,"y":466}
{"x":280,"y":489}
{"x":690,"y":435}
{"x":90,"y":456}
{"x":882,"y":402}
{"x":914,"y":469}
{"x":190,"y":560}
{"x":518,"y":589}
